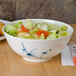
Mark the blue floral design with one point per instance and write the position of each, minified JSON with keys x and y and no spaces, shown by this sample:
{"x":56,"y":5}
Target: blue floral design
{"x":24,"y":49}
{"x":44,"y":52}
{"x":30,"y":54}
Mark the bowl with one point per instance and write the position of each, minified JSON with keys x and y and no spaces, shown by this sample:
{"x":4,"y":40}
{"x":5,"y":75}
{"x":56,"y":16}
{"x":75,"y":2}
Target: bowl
{"x":38,"y":50}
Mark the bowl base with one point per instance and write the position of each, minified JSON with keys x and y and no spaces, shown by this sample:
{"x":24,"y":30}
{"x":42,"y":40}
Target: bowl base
{"x":36,"y":60}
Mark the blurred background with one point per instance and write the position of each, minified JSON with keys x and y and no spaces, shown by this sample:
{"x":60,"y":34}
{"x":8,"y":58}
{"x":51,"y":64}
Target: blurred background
{"x":62,"y":10}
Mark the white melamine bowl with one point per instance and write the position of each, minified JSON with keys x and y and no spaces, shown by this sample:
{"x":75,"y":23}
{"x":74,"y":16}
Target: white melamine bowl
{"x":38,"y":50}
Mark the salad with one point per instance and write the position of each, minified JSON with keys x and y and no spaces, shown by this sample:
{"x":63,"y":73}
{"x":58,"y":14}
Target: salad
{"x":34,"y":30}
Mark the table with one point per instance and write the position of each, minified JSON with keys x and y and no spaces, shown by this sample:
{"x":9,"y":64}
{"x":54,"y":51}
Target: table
{"x":12,"y":64}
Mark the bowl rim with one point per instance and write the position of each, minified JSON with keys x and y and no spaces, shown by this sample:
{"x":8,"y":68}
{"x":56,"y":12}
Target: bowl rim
{"x":40,"y":39}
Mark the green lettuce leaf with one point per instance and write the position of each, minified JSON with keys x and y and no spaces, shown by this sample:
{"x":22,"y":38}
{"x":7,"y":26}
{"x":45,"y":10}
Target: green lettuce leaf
{"x":10,"y":29}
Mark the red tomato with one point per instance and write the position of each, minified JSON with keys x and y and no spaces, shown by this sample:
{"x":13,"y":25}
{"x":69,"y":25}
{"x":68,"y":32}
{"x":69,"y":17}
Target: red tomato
{"x":39,"y":32}
{"x":24,"y":29}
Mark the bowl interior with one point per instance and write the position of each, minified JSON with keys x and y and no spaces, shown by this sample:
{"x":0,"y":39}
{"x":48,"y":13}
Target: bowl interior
{"x":59,"y":23}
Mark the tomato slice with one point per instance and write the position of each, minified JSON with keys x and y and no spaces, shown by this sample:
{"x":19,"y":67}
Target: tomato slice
{"x":24,"y":29}
{"x":39,"y":32}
